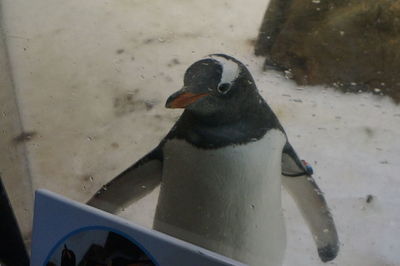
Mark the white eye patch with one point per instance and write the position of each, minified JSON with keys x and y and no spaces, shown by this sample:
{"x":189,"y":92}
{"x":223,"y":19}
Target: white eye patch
{"x":230,"y":69}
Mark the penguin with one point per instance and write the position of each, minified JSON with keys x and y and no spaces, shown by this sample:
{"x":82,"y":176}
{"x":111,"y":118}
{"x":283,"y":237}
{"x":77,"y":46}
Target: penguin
{"x":220,"y":170}
{"x":67,"y":257}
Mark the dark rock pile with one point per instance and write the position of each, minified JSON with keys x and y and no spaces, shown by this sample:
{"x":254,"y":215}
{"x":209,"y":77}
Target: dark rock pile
{"x":350,"y":44}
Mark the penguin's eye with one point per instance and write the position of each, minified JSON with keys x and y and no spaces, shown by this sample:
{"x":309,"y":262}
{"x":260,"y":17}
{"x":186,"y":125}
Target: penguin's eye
{"x":224,"y":88}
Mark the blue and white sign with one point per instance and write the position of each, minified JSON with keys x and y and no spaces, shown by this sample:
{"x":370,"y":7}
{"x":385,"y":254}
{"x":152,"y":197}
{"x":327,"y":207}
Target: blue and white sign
{"x":68,"y":233}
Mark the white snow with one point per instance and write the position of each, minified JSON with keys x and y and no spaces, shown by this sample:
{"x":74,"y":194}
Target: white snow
{"x":92,"y":78}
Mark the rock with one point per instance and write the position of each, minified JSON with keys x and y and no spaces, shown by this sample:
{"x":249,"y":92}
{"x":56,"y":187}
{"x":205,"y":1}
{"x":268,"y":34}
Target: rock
{"x":350,"y":44}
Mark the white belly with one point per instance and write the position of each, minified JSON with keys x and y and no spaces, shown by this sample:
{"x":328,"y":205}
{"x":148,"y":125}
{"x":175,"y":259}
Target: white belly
{"x":227,"y":200}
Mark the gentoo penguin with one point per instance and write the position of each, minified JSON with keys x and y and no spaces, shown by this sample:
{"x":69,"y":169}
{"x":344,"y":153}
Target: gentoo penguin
{"x":67,"y":257}
{"x":220,"y":170}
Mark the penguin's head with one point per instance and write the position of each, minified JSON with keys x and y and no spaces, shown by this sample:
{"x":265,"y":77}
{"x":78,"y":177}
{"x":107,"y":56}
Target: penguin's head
{"x":217,"y":86}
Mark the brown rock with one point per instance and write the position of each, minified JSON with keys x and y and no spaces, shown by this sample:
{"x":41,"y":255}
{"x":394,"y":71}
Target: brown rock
{"x":350,"y":44}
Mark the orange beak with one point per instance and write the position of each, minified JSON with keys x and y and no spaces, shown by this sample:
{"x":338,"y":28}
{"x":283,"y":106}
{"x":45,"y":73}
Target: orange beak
{"x":183,"y":99}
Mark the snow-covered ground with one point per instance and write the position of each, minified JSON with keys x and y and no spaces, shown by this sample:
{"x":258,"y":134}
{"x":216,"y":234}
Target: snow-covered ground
{"x":92,"y":78}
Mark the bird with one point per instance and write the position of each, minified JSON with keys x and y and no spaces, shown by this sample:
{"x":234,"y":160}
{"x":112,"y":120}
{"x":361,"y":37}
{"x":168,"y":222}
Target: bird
{"x":67,"y":257}
{"x":220,"y":170}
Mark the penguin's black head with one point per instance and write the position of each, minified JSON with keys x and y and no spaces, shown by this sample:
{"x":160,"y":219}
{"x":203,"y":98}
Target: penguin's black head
{"x":216,"y":88}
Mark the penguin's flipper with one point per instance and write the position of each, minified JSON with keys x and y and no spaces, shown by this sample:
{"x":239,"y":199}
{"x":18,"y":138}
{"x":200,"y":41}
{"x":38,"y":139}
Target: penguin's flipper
{"x":131,"y":185}
{"x":299,"y":183}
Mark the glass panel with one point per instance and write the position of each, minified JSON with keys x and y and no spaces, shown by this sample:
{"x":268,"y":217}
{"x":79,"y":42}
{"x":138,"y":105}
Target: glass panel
{"x":83,"y":98}
{"x":14,"y":169}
